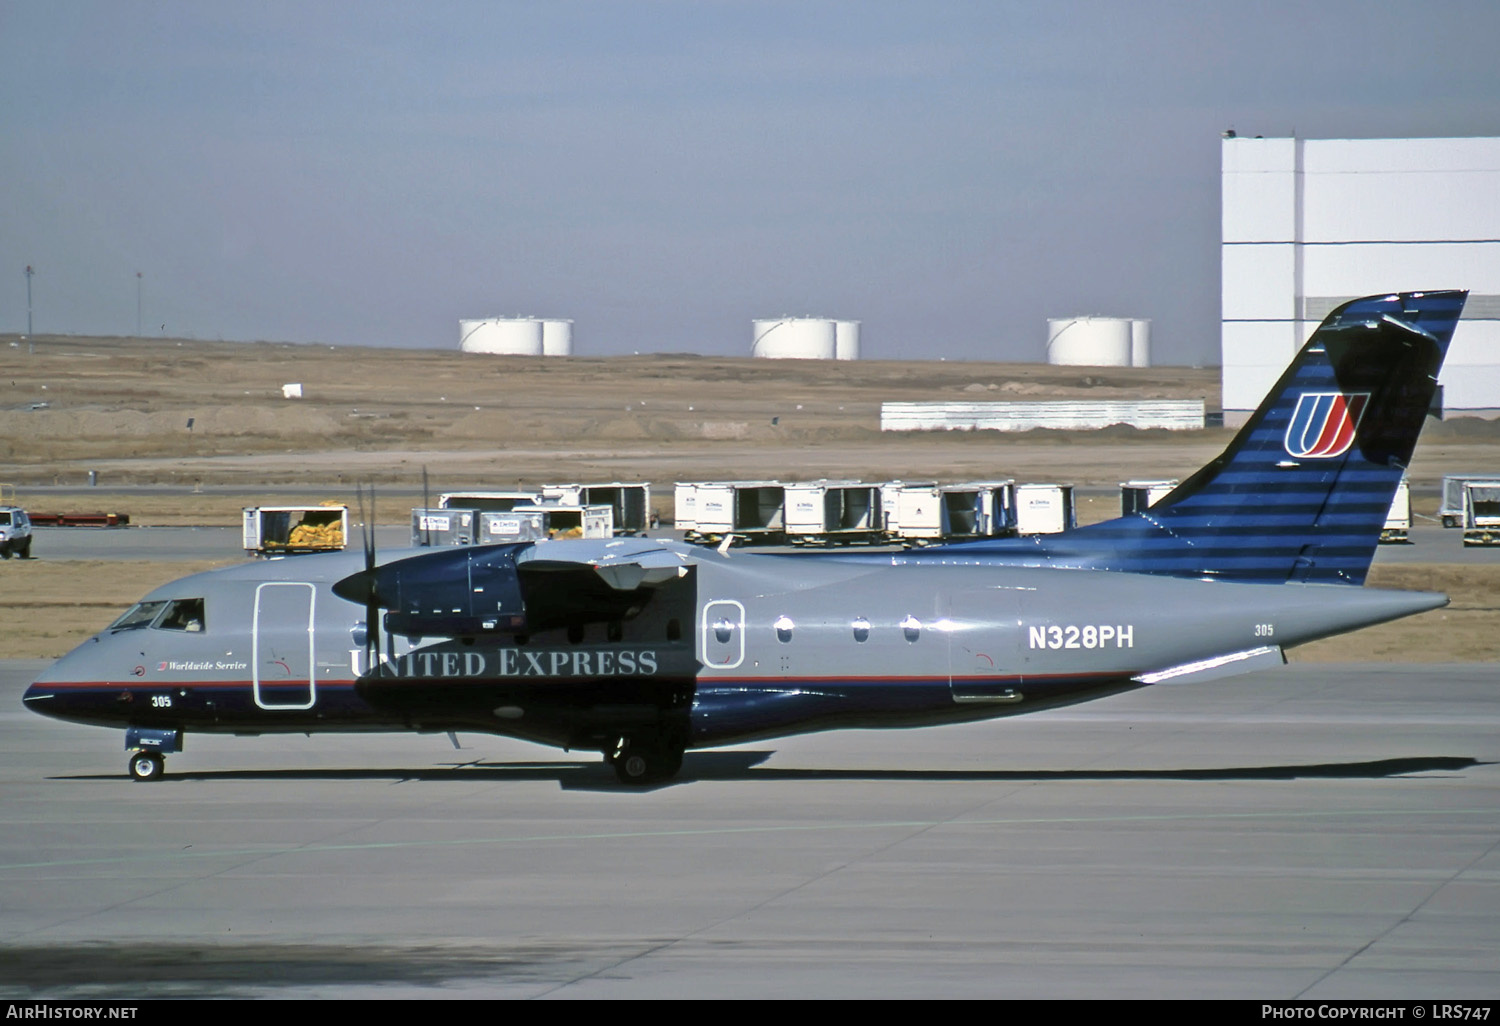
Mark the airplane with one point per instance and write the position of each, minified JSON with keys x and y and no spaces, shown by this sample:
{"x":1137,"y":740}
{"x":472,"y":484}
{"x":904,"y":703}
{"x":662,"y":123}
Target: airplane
{"x":643,"y":648}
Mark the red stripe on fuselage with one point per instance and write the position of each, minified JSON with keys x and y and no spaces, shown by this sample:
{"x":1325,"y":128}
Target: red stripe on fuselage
{"x":137,"y":685}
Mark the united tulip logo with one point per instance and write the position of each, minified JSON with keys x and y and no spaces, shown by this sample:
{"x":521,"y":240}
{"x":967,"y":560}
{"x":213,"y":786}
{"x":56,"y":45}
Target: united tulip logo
{"x":1323,"y":424}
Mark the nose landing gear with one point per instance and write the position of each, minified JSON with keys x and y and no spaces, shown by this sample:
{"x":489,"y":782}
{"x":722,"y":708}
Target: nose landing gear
{"x":145,"y":765}
{"x":149,"y":747}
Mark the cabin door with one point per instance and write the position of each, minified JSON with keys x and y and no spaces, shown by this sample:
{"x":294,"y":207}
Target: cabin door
{"x":283,"y":667}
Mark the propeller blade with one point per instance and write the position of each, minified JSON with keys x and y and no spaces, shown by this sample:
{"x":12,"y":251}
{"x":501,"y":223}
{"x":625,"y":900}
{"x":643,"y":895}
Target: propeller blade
{"x":372,"y":595}
{"x":427,"y":539}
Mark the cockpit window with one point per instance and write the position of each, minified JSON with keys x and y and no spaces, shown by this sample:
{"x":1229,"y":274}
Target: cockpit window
{"x":183,"y":615}
{"x":139,"y":615}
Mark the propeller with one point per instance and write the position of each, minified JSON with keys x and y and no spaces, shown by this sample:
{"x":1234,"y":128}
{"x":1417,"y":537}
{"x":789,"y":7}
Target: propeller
{"x":426,"y":505}
{"x":372,"y":594}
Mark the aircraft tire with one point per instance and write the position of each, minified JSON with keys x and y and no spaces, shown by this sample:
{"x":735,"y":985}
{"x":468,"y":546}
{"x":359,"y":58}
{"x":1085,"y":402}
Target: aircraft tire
{"x":642,"y":763}
{"x":147,"y":766}
{"x":633,"y":768}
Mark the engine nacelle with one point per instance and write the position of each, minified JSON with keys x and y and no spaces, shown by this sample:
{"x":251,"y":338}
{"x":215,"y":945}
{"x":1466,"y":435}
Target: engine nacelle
{"x":459,"y":591}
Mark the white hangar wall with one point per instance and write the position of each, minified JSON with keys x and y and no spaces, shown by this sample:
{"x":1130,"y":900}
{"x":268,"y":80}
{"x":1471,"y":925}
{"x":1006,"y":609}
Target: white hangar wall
{"x":1310,"y":223}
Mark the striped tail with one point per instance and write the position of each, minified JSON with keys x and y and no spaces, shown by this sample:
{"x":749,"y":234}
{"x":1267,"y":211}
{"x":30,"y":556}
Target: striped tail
{"x":1303,"y":490}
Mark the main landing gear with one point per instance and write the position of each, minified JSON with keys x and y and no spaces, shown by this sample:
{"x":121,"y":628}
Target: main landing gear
{"x":646,"y":759}
{"x":146,"y":765}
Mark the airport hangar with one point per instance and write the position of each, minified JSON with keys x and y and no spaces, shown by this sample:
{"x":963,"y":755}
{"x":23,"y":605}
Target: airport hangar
{"x":1311,"y":223}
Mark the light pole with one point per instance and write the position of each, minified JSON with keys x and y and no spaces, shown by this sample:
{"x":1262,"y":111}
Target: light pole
{"x":137,"y":304}
{"x":30,"y":345}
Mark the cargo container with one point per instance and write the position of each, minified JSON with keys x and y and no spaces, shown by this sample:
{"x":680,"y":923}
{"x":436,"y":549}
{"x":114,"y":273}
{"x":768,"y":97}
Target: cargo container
{"x":560,"y":521}
{"x":752,"y":511}
{"x":926,"y":513}
{"x":488,"y":502}
{"x":1482,"y":513}
{"x":287,"y":530}
{"x":832,"y":512}
{"x":515,"y":526}
{"x":890,"y":504}
{"x":685,"y":506}
{"x":1398,"y":518}
{"x":630,"y":502}
{"x":1045,"y":508}
{"x":1138,"y":495}
{"x":444,"y":526}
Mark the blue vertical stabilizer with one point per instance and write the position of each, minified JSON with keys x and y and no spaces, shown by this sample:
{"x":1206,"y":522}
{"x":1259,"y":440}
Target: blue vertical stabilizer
{"x":1302,"y":492}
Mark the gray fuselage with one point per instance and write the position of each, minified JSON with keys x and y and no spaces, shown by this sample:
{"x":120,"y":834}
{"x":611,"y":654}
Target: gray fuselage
{"x":735,"y":647}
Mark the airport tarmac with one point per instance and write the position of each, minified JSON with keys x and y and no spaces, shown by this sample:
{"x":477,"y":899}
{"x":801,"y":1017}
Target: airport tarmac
{"x":1315,"y":832}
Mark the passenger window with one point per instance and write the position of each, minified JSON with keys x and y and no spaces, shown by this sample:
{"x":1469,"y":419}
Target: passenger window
{"x":723,"y":630}
{"x":861,"y":629}
{"x":911,"y":627}
{"x":183,"y":615}
{"x":784,"y":626}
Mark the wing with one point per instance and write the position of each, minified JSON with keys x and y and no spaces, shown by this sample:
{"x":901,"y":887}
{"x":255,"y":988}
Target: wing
{"x":516,"y":588}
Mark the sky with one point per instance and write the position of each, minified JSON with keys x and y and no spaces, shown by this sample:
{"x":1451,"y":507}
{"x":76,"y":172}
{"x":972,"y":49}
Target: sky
{"x":661,"y":172}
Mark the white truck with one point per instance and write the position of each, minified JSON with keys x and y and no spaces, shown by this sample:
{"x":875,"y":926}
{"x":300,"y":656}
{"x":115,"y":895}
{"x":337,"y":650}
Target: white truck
{"x":15,"y":533}
{"x":1451,"y":512}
